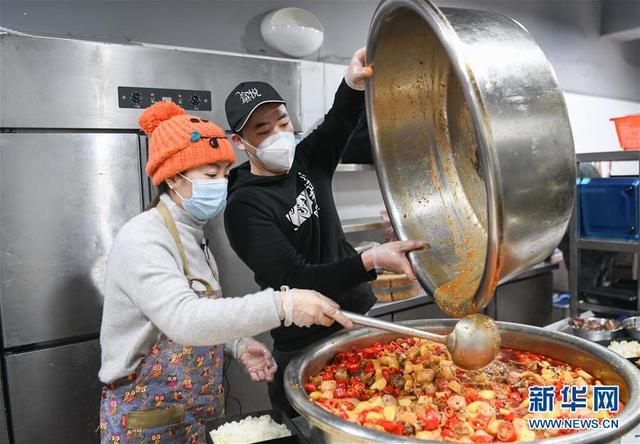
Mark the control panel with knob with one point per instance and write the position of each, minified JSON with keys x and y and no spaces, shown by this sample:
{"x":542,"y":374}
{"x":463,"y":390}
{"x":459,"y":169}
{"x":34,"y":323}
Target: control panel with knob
{"x":138,"y":97}
{"x":135,"y":97}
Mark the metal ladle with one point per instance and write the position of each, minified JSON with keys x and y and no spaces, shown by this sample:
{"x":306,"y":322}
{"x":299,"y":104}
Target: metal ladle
{"x":473,"y":343}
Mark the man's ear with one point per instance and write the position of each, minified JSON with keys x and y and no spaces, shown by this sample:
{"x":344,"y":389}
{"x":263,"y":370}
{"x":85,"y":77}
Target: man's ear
{"x":237,"y":141}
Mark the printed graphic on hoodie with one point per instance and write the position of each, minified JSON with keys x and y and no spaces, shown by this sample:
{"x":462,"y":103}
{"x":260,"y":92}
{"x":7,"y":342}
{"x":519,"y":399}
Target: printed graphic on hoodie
{"x":306,"y":205}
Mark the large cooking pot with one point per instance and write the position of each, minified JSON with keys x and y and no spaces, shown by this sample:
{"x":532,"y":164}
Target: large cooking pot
{"x":472,"y":145}
{"x":605,"y":365}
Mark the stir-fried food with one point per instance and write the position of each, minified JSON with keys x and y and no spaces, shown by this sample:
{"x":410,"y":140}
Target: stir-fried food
{"x":411,"y":387}
{"x":594,"y":324}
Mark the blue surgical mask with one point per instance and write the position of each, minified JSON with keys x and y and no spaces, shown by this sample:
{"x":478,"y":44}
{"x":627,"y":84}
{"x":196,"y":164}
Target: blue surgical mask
{"x":208,"y":197}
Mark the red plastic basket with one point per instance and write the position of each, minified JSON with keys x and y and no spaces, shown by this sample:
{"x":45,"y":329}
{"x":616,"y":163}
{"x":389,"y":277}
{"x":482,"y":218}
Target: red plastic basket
{"x":628,"y":129}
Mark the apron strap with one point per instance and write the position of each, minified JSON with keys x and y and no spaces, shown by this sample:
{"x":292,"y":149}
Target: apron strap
{"x":173,"y":230}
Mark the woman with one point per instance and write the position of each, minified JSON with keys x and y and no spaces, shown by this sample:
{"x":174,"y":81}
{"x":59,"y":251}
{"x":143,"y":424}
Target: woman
{"x":164,"y":325}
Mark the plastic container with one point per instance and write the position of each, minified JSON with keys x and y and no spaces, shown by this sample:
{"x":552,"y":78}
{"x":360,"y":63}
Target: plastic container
{"x":609,"y":208}
{"x":628,"y":129}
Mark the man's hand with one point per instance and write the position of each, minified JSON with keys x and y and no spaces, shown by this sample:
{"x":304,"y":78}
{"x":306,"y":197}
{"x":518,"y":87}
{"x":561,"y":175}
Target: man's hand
{"x":392,"y":256}
{"x":357,"y":71}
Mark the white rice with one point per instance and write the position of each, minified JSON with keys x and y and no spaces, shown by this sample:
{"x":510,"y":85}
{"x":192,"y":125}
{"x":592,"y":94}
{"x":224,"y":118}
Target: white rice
{"x":249,"y":430}
{"x":628,"y":349}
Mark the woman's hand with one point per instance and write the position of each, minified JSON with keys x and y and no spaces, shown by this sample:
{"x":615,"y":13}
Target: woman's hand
{"x":305,"y":308}
{"x":392,"y":256}
{"x":256,"y":360}
{"x":357,"y":72}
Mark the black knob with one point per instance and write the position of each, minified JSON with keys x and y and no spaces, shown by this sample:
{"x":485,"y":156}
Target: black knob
{"x":136,"y":97}
{"x":195,"y":100}
{"x":628,"y":189}
{"x":631,"y":230}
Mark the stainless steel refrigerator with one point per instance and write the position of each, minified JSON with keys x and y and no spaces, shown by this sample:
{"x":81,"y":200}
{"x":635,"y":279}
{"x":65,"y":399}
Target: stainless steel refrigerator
{"x":71,"y":174}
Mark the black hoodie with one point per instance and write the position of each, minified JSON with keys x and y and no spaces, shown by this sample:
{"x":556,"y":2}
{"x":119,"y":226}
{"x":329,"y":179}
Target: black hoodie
{"x":286,"y":228}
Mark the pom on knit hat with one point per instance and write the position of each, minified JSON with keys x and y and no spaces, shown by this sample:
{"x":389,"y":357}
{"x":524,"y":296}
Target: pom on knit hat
{"x":179,"y":141}
{"x":156,"y":114}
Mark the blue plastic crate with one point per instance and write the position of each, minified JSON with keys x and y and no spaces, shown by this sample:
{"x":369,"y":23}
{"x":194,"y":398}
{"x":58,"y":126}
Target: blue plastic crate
{"x":609,"y":207}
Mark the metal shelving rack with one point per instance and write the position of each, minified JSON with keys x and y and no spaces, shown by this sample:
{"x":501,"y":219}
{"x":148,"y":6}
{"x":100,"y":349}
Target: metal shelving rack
{"x":354,"y":167}
{"x":578,"y":243}
{"x":366,"y":223}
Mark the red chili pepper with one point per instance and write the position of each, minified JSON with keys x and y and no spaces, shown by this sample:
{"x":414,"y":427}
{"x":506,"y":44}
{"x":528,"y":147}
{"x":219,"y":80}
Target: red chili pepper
{"x":364,"y":396}
{"x":448,"y":433}
{"x":430,"y":420}
{"x":352,"y":368}
{"x":448,"y":412}
{"x":309,"y":387}
{"x":354,"y":358}
{"x":351,"y":393}
{"x":340,"y":392}
{"x":340,"y":357}
{"x":388,"y":389}
{"x":451,"y":422}
{"x":370,"y":353}
{"x":482,"y":438}
{"x":342,"y":384}
{"x":385,"y":374}
{"x":506,"y":432}
{"x":480,"y":422}
{"x":392,"y":427}
{"x":347,"y":405}
{"x":472,"y":395}
{"x":358,"y":387}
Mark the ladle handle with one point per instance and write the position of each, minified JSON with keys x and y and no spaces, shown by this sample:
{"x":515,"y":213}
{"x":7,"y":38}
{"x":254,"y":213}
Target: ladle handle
{"x":395,"y":328}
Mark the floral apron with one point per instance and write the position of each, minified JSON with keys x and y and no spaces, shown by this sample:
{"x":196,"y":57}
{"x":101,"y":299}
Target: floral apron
{"x":174,"y":390}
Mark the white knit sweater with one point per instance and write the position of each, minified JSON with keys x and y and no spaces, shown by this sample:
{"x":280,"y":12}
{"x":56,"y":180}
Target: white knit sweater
{"x":147,"y":294}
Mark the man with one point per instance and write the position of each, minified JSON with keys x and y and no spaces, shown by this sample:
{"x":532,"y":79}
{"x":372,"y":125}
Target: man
{"x":281,"y":218}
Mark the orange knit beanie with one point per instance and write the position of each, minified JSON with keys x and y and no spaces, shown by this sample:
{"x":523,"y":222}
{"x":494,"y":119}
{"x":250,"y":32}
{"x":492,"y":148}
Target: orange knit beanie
{"x":180,"y":142}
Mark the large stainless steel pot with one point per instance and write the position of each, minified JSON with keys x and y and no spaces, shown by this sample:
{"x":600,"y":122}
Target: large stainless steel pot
{"x":472,"y":144}
{"x":607,"y":366}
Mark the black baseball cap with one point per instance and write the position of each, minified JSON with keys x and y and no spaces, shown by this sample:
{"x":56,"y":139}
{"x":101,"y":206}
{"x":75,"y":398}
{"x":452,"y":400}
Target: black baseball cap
{"x":245,"y":99}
